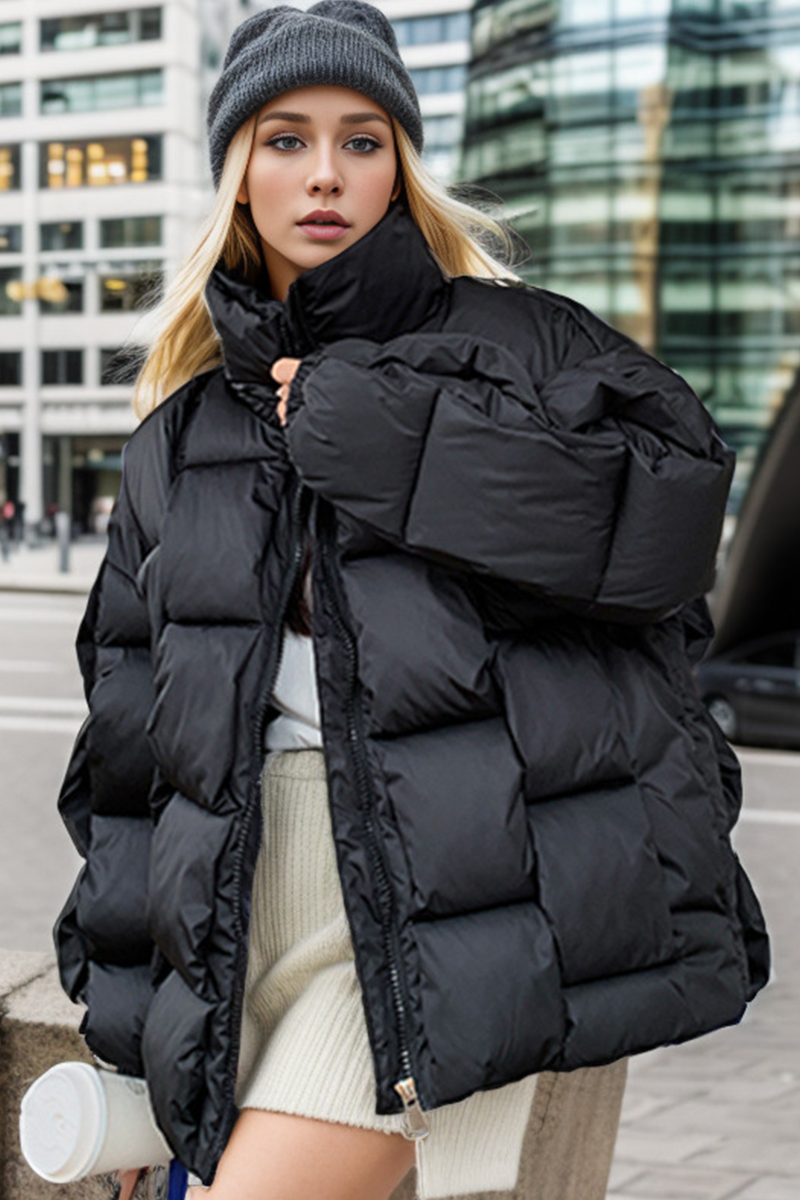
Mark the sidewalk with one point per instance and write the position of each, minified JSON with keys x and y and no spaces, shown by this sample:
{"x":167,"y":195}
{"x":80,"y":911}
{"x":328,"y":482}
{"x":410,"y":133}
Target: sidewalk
{"x":35,"y":568}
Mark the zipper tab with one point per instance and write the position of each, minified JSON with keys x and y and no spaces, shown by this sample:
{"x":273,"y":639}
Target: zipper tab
{"x":417,"y":1127}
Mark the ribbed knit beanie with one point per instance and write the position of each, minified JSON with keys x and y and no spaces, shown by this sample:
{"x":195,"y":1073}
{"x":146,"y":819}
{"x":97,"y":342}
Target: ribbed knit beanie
{"x":344,"y":42}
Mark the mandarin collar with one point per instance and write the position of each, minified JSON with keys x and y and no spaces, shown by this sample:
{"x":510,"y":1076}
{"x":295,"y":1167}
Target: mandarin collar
{"x":385,"y":284}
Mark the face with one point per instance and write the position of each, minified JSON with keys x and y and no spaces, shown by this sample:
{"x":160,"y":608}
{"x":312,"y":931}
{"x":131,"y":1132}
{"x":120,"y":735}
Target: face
{"x":320,"y":148}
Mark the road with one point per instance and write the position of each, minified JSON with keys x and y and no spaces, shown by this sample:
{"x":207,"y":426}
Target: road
{"x":717,"y":1118}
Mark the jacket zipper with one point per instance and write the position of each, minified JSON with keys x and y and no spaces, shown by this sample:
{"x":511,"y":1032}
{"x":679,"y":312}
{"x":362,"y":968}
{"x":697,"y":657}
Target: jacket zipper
{"x":416,"y":1126}
{"x":276,"y":653}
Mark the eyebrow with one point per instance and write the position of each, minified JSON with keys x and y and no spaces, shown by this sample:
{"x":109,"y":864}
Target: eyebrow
{"x":348,"y":119}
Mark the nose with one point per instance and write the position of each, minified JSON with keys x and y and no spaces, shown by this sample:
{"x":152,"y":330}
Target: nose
{"x":324,"y":175}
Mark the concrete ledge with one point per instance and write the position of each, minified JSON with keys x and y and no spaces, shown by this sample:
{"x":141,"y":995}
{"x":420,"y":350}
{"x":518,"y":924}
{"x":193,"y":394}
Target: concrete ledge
{"x":567,"y":1154}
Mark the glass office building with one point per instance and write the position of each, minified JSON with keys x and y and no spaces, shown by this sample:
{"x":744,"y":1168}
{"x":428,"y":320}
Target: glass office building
{"x":651,"y":152}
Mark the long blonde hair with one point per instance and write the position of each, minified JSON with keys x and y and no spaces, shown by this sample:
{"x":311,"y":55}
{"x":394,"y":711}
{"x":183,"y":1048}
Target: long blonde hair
{"x":464,"y":238}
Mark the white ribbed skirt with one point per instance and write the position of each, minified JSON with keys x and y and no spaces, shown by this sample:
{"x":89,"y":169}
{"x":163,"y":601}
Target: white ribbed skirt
{"x":304,"y":1046}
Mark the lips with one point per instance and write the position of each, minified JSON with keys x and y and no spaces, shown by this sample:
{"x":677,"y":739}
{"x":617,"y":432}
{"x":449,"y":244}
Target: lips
{"x":321,"y":216}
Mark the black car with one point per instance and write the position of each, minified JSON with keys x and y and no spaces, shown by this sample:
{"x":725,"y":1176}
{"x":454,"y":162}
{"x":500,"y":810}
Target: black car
{"x":753,"y":691}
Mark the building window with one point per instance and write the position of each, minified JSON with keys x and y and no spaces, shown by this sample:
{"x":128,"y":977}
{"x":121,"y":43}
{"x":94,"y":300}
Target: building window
{"x":10,"y":368}
{"x":11,"y":37}
{"x":120,"y":366}
{"x":70,"y":302}
{"x":423,"y":31}
{"x":101,"y":29}
{"x":10,"y":100}
{"x":130,"y":231}
{"x":61,"y":235}
{"x":99,"y":164}
{"x":96,"y":93}
{"x":10,"y":239}
{"x":9,"y":169}
{"x":130,"y":287}
{"x":442,"y":133}
{"x":62,"y":366}
{"x":9,"y":306}
{"x":437,"y":80}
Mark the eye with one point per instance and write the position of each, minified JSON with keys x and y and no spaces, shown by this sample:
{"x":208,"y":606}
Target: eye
{"x":369,"y":142}
{"x":282,"y":137}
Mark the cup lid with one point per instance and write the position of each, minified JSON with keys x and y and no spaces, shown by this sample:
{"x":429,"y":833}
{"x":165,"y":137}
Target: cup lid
{"x":62,"y":1122}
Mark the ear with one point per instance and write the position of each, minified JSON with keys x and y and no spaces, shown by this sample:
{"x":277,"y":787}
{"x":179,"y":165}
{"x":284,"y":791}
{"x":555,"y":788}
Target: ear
{"x":398,"y":184}
{"x":242,"y":196}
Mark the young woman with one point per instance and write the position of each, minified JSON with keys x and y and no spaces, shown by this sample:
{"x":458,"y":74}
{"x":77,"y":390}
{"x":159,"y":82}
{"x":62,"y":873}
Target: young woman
{"x":400,"y":809}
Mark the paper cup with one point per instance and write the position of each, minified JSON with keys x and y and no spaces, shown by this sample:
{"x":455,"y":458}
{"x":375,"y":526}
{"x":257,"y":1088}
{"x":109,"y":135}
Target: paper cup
{"x":77,"y":1120}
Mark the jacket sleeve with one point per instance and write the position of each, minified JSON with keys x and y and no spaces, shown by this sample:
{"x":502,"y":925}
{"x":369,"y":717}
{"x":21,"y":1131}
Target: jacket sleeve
{"x":601,"y":487}
{"x":102,"y":944}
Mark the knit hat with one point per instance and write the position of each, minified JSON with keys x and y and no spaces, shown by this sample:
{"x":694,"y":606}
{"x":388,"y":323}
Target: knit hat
{"x":344,"y":42}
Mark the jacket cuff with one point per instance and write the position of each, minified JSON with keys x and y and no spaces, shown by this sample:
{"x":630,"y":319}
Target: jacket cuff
{"x":295,"y":399}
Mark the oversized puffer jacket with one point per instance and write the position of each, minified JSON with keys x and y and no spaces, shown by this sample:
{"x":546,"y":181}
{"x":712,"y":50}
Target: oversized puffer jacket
{"x":514,"y":513}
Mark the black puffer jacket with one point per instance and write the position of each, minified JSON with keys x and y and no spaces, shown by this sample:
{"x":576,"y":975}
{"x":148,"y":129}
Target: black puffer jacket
{"x":515,"y":511}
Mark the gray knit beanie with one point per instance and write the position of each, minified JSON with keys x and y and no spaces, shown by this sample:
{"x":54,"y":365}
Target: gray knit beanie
{"x":343,"y":42}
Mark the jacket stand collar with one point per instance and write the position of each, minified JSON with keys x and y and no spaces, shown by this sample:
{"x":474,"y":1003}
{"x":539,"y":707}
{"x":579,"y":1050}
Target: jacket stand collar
{"x":385,"y":284}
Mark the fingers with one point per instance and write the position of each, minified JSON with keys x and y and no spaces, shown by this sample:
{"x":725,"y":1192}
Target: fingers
{"x":127,"y":1183}
{"x":284,"y":369}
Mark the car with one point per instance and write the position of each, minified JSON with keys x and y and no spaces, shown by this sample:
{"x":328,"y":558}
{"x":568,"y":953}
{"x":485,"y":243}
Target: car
{"x":753,"y":690}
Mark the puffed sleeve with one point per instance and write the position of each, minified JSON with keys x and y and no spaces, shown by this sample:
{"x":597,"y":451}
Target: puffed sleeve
{"x":102,"y":944}
{"x":601,"y":487}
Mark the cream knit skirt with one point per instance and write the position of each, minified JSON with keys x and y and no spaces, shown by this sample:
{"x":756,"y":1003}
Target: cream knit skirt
{"x":304,"y":1045}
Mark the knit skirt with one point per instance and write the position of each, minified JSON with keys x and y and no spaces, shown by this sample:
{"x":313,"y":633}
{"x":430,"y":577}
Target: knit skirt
{"x":304,"y":1045}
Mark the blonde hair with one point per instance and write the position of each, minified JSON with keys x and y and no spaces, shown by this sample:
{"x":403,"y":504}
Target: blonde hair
{"x":459,"y":234}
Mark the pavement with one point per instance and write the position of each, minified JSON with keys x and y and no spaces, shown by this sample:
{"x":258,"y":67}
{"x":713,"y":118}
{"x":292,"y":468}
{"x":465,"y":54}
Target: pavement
{"x":35,"y":567}
{"x":718,"y":1118}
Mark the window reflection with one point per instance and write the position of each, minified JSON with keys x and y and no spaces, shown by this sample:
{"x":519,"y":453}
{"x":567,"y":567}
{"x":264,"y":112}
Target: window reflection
{"x":70,"y":302}
{"x":9,"y":306}
{"x":62,"y":367}
{"x":11,"y":37}
{"x":421,"y":31}
{"x":9,"y":168}
{"x":435,"y":80}
{"x":10,"y":239}
{"x":99,"y":92}
{"x":61,"y":235}
{"x":101,"y":29}
{"x":130,"y":231}
{"x":129,"y":287}
{"x":650,"y":150}
{"x":100,"y":163}
{"x":10,"y":99}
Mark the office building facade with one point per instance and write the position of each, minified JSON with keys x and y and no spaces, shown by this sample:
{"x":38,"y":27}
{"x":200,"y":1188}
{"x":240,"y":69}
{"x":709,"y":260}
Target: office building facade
{"x":101,"y":175}
{"x":434,"y":41}
{"x":651,"y":152}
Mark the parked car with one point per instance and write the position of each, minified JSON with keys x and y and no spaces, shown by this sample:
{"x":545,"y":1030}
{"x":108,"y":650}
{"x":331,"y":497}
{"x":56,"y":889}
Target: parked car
{"x":753,"y":690}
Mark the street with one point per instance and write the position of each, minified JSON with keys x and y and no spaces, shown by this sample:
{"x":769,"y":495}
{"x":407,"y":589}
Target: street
{"x":717,"y":1118}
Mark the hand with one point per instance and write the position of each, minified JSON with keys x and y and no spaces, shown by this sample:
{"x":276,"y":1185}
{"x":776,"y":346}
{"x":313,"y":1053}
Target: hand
{"x":127,"y":1181}
{"x":284,"y":371}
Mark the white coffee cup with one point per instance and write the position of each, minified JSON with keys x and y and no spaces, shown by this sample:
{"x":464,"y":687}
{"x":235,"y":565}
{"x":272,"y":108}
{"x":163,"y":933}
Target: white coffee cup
{"x":78,"y":1120}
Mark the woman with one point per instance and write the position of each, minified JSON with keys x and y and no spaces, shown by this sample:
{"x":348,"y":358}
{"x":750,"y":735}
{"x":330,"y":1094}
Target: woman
{"x":396,"y":794}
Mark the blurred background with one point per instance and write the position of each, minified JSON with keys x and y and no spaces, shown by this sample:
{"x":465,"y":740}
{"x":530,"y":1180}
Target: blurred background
{"x":648,"y":153}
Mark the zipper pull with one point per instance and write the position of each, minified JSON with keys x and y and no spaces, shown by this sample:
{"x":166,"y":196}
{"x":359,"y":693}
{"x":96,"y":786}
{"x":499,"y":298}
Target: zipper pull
{"x":416,"y":1125}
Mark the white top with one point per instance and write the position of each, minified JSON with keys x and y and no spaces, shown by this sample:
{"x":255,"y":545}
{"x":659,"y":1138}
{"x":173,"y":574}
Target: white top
{"x":294,"y":693}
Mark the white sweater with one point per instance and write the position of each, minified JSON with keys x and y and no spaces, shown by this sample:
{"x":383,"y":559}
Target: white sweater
{"x":295,"y":694}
